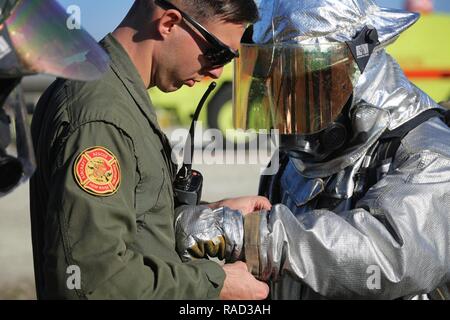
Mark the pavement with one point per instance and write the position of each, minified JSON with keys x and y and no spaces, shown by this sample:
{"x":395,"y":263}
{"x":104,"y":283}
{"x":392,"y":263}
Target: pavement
{"x":16,"y":261}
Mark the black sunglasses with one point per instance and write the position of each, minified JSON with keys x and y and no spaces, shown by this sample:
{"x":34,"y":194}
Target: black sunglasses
{"x":220,"y":54}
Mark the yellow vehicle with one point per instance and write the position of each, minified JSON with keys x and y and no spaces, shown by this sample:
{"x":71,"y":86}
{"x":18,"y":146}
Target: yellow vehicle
{"x":423,"y":52}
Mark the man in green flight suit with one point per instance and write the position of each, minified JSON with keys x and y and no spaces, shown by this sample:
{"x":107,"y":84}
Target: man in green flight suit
{"x":101,"y":200}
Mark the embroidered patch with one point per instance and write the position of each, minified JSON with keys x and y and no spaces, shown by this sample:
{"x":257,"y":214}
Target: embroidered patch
{"x":97,"y":171}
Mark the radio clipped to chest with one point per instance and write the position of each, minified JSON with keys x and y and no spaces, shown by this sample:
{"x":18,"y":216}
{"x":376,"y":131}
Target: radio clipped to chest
{"x":188,"y":182}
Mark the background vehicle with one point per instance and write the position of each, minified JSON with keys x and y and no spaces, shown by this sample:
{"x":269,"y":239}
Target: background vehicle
{"x":217,"y":112}
{"x":423,"y":52}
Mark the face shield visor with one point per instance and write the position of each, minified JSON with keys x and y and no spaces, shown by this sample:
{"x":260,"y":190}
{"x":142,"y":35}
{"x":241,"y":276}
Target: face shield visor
{"x":297,"y":89}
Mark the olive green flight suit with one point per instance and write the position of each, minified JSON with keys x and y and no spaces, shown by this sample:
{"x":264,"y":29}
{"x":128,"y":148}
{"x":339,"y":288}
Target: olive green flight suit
{"x":124,"y":243}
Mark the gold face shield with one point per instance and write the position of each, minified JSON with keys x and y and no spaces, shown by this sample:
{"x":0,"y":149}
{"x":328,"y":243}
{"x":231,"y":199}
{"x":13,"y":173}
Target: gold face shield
{"x":297,"y":89}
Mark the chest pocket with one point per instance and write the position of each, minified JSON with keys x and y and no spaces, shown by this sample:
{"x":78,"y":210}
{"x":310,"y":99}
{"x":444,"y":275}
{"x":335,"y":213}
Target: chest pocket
{"x":148,"y":192}
{"x":155,"y":220}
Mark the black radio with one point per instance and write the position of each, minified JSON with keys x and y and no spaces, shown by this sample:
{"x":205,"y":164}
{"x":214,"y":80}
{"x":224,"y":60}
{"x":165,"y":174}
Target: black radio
{"x":188,"y":182}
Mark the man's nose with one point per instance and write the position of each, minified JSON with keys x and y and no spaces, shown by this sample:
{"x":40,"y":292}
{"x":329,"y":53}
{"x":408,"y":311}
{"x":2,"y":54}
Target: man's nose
{"x":216,"y":72}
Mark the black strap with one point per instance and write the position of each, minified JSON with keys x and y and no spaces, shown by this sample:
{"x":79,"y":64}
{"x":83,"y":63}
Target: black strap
{"x":385,"y":152}
{"x":447,"y":117}
{"x":405,"y":128}
{"x":390,"y":141}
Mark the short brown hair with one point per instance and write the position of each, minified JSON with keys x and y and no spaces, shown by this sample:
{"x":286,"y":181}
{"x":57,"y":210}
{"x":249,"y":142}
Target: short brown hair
{"x":234,"y":11}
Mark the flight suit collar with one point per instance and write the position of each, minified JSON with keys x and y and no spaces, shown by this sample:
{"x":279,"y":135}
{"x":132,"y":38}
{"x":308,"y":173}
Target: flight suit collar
{"x":126,"y":71}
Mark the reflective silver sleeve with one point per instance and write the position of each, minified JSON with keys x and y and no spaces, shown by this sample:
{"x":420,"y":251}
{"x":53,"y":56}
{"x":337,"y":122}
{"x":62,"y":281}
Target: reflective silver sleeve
{"x":395,"y":243}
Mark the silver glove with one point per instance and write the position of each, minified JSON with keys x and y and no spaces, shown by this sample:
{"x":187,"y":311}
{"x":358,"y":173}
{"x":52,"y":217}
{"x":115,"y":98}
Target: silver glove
{"x":202,"y":232}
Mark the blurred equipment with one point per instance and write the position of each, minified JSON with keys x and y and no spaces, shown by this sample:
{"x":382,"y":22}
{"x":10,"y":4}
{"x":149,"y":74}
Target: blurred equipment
{"x":34,"y":38}
{"x":423,"y":53}
{"x":422,"y":6}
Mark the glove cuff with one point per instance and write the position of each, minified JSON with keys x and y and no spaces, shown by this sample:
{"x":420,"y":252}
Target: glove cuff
{"x":255,"y":235}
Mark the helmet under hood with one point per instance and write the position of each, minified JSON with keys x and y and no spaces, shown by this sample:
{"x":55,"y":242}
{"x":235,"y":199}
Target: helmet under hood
{"x":300,"y":73}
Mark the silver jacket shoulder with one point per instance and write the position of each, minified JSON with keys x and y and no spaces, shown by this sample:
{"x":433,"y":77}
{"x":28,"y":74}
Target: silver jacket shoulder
{"x":392,"y":243}
{"x":431,"y":136}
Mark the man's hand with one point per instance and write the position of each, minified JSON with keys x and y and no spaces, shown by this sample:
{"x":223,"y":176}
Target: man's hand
{"x":245,"y":205}
{"x":241,"y":285}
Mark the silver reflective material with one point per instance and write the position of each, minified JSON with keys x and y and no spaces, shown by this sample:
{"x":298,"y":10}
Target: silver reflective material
{"x":323,"y":21}
{"x":198,"y":225}
{"x":399,"y":230}
{"x":17,"y":163}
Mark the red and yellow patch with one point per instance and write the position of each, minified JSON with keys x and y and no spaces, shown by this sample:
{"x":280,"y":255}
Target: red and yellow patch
{"x":97,"y":171}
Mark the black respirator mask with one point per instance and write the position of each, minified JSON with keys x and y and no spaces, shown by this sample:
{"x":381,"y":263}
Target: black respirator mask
{"x":318,"y":146}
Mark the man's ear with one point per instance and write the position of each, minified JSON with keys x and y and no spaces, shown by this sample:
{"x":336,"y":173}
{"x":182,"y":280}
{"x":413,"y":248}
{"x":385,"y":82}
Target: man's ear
{"x":169,"y":20}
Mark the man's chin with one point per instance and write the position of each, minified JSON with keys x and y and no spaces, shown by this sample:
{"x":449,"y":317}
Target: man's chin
{"x":174,"y":86}
{"x":171,"y":88}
